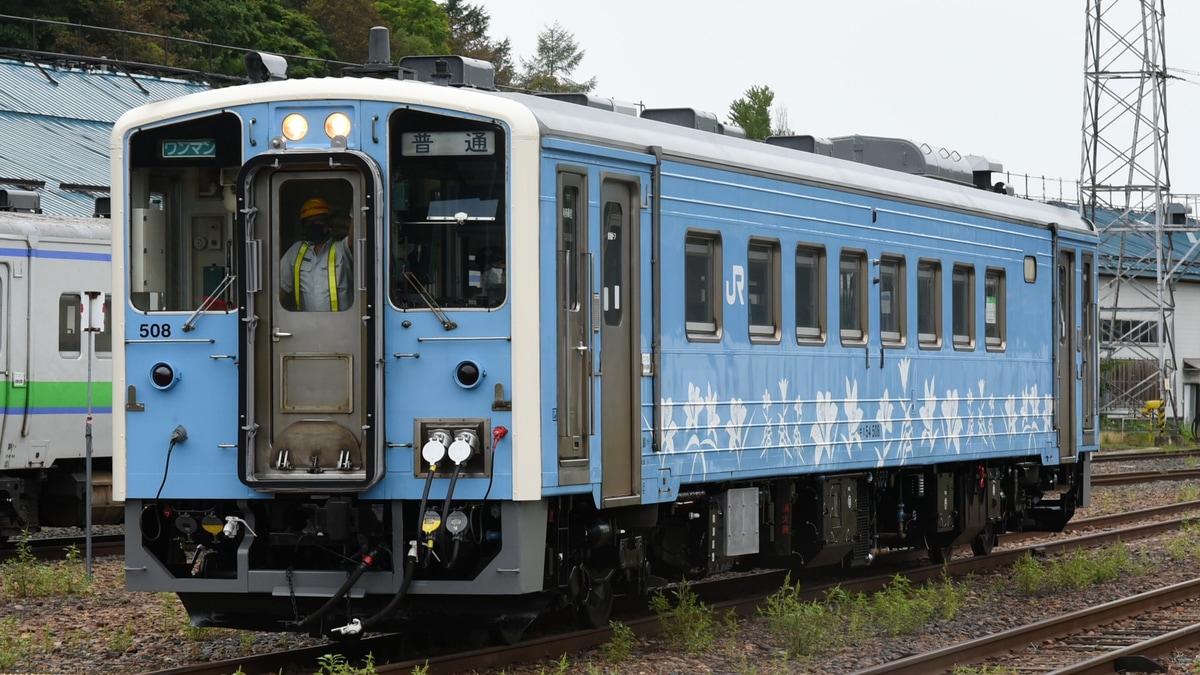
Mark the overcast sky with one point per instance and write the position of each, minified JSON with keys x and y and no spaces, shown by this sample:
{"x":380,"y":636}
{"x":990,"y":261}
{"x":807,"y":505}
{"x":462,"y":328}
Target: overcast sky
{"x":1001,"y":80}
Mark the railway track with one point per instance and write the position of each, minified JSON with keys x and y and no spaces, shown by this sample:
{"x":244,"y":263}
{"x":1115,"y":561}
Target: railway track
{"x":1145,"y":625}
{"x":55,"y":548}
{"x":1135,"y":477}
{"x":743,"y":595}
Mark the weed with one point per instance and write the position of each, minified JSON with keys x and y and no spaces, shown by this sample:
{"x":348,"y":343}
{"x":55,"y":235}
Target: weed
{"x":806,"y":628}
{"x":120,"y":640}
{"x":687,"y":623}
{"x":1077,"y":569}
{"x":899,"y":609}
{"x":25,"y":576}
{"x":336,"y":664}
{"x":1029,"y":573}
{"x":14,"y":647}
{"x":1189,"y":493}
{"x":620,"y":647}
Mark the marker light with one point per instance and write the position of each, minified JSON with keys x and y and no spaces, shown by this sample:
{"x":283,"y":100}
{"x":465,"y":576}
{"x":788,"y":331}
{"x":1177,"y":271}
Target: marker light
{"x":163,"y":375}
{"x":295,"y":127}
{"x":468,"y":374}
{"x":337,"y":124}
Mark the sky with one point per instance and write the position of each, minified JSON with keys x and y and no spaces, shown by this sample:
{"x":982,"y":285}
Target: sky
{"x":1001,"y":80}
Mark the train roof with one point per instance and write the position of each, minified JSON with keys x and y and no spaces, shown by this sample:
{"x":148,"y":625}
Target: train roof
{"x":56,"y":227}
{"x":530,"y":115}
{"x":571,"y":120}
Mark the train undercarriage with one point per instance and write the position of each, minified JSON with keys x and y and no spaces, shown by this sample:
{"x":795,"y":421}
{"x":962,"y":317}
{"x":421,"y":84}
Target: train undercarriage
{"x":55,"y":497}
{"x":337,"y":566}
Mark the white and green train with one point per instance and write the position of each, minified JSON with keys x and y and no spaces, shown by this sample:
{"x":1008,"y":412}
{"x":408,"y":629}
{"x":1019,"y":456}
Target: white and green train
{"x":54,"y":375}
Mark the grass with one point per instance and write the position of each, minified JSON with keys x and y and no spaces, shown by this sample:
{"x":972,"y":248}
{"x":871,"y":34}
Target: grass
{"x":1078,"y":569}
{"x":687,"y":622}
{"x":808,"y":628}
{"x":27,"y":577}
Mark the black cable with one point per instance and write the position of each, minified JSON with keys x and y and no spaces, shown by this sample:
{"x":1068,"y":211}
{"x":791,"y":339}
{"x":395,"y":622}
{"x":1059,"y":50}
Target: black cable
{"x":179,"y":435}
{"x":165,"y":469}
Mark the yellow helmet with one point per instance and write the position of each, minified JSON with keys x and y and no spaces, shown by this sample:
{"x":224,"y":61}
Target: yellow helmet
{"x":314,"y":207}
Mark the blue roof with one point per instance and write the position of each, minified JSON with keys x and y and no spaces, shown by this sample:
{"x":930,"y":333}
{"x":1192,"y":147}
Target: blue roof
{"x":55,"y":123}
{"x":1134,"y":248}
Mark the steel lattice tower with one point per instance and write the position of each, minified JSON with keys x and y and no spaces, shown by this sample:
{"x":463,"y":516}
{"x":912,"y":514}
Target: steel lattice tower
{"x":1124,"y":188}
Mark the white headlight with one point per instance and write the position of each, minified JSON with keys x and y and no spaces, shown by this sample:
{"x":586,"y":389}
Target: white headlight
{"x":294,"y":127}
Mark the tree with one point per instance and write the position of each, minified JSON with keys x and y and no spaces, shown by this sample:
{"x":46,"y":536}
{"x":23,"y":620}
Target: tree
{"x":348,"y":24}
{"x":558,"y":54}
{"x":417,"y":26}
{"x":752,"y":112}
{"x":469,"y":37}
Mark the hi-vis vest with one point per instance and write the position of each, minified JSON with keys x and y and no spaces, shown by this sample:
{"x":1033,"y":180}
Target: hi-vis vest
{"x":333,"y":298}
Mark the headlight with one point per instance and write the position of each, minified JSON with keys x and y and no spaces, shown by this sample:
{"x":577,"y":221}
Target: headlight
{"x":295,"y":127}
{"x":337,"y":124}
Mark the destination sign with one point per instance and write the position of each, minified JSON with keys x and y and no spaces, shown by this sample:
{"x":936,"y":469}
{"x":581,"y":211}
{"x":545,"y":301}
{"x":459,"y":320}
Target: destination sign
{"x":196,"y":148}
{"x":447,"y":143}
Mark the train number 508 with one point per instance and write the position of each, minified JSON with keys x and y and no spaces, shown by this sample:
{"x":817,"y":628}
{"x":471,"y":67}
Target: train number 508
{"x":154,"y":330}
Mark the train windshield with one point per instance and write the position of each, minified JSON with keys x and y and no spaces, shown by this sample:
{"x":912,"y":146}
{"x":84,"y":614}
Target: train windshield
{"x":448,"y":221}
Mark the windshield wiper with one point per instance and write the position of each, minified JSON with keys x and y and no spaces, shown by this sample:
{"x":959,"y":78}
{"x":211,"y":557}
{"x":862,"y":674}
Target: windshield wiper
{"x":209,"y":301}
{"x":429,"y":301}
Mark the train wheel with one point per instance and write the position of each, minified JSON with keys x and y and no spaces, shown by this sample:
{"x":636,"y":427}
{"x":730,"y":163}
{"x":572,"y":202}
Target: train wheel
{"x":507,"y":635}
{"x":596,"y":608}
{"x":983,"y":542}
{"x":939,"y":553}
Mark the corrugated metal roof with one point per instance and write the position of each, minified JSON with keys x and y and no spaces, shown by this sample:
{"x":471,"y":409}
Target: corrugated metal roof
{"x":1134,"y":251}
{"x":55,"y":124}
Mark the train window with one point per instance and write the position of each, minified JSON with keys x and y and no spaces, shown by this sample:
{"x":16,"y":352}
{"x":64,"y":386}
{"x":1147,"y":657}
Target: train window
{"x":762,"y":285}
{"x":69,"y":334}
{"x":612,"y":255}
{"x":316,"y":244}
{"x":569,"y":247}
{"x":701,"y":283}
{"x":893,"y":326}
{"x":929,"y":304}
{"x":1030,"y":269}
{"x":181,"y":207}
{"x":994,"y":301}
{"x":810,"y":295}
{"x":962,"y":307}
{"x":852,"y":297}
{"x":449,"y":232}
{"x":104,"y":338}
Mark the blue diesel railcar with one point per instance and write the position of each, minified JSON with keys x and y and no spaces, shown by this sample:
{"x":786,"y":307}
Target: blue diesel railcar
{"x":562,"y":353}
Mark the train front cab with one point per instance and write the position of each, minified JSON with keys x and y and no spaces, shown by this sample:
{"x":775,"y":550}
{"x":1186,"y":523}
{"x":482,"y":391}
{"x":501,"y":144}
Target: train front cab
{"x":363,"y":437}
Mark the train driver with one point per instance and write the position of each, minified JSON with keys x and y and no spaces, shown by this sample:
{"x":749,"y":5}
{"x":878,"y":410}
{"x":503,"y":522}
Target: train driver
{"x":316,"y":273}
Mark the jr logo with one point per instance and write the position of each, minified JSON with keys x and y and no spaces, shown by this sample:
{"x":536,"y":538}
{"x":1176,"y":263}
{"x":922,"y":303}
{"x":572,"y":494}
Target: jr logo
{"x":735,"y":287}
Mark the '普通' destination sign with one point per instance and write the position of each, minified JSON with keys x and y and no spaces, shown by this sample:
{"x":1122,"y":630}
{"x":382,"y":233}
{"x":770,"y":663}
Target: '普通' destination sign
{"x":445,"y":143}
